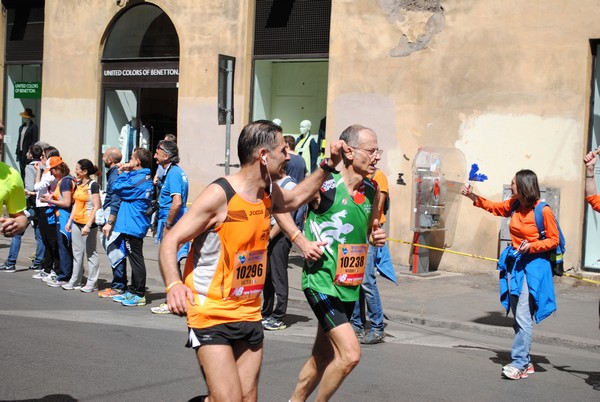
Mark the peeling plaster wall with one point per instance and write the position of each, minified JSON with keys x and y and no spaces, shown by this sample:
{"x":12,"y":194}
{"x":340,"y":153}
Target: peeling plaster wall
{"x":507,"y":83}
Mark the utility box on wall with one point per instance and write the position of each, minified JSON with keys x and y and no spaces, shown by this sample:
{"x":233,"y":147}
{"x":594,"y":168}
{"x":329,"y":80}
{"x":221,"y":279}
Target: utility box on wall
{"x":550,"y":195}
{"x":437,"y":176}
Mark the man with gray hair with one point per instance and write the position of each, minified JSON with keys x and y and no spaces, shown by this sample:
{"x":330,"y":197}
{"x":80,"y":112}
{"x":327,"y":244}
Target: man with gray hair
{"x":343,"y":215}
{"x":172,"y":199}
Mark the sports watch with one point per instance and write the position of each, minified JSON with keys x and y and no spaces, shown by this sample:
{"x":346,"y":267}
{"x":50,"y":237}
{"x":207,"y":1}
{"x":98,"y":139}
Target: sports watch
{"x":325,"y":166}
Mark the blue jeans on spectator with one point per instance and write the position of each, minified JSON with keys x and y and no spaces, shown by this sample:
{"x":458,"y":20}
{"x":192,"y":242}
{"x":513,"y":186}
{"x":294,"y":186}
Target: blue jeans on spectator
{"x":13,"y":252}
{"x":521,"y":309}
{"x":369,"y":293}
{"x":15,"y":247}
{"x":119,"y":281}
{"x":40,"y":249}
{"x":65,"y":256}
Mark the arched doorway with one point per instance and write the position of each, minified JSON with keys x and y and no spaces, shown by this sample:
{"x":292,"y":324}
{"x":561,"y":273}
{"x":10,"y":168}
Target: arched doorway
{"x":140,"y":77}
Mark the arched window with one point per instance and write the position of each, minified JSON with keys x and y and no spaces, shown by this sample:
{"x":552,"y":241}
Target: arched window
{"x":142,"y":32}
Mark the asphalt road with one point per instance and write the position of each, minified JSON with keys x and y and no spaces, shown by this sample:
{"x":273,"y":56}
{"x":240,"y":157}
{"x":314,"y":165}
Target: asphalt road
{"x":79,"y":347}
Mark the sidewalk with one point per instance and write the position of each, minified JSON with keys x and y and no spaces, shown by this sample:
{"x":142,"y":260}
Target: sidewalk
{"x":468,"y":302}
{"x":471,"y":302}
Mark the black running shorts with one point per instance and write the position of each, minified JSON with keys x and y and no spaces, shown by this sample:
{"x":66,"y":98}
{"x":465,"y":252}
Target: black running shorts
{"x":329,"y":310}
{"x":226,"y":334}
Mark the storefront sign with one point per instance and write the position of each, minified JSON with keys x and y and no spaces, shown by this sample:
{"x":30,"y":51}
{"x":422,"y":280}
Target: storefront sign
{"x":141,"y":73}
{"x":29,"y":90}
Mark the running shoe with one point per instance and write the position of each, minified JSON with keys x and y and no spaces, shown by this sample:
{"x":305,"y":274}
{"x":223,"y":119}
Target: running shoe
{"x":530,"y":368}
{"x":162,"y":309}
{"x":68,"y":286}
{"x":514,"y":373}
{"x":274,"y":325}
{"x":121,"y":297}
{"x":34,"y":267}
{"x":134,"y":301}
{"x":109,"y":293}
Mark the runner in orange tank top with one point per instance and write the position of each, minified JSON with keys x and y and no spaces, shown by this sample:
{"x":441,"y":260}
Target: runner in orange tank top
{"x":224,"y":275}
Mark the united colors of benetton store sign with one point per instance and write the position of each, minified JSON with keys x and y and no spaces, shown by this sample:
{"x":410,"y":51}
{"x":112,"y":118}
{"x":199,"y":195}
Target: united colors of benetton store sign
{"x":143,"y":74}
{"x":28,"y":90}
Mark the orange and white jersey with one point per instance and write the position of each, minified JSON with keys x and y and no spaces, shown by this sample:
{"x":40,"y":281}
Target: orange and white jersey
{"x":227,"y":266}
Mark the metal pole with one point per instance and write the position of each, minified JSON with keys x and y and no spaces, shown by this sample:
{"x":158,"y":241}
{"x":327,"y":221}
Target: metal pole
{"x":228,"y":106}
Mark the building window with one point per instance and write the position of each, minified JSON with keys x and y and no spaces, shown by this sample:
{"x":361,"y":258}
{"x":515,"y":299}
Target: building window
{"x":591,"y":252}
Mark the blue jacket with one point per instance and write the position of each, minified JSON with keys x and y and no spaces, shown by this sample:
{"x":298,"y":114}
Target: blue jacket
{"x":536,"y":268}
{"x":112,"y":200}
{"x":135,"y":189}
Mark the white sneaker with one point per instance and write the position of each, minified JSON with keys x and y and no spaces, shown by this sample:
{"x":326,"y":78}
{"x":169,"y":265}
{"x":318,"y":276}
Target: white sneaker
{"x":39,"y":275}
{"x":55,"y":283}
{"x":88,"y":289}
{"x":68,"y":286}
{"x":162,"y":309}
{"x":49,"y":277}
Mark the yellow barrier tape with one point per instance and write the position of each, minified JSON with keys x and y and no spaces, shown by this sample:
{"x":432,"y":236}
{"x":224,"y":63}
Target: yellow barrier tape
{"x":581,"y":278}
{"x":445,"y":250}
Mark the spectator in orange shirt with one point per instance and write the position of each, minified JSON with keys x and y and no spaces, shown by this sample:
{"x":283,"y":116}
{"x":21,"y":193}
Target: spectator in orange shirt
{"x":526,"y":285}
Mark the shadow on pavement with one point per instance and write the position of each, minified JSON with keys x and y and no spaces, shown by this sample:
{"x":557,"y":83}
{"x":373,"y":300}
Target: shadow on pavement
{"x":495,"y":318}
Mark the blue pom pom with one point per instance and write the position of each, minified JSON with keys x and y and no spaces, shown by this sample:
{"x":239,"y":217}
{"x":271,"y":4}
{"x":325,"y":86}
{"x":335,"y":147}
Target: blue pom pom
{"x":474,"y":176}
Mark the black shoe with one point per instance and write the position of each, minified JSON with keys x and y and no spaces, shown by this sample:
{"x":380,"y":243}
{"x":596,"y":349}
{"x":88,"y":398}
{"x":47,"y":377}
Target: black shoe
{"x":36,"y":268}
{"x":274,"y":325}
{"x":7,"y":268}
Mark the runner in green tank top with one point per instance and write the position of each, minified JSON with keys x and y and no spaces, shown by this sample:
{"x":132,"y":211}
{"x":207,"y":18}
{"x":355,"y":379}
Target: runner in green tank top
{"x":343,"y":226}
{"x":340,"y":226}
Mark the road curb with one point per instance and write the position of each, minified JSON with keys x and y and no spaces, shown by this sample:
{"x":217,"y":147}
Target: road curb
{"x":541,"y":337}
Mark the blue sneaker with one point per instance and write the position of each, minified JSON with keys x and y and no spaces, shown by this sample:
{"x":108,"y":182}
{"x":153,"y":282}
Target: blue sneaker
{"x":134,"y":301}
{"x":122,"y":297}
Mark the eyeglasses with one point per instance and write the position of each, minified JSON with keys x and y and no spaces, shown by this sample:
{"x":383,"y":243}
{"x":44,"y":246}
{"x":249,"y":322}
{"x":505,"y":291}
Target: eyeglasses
{"x":371,"y":152}
{"x":164,"y":150}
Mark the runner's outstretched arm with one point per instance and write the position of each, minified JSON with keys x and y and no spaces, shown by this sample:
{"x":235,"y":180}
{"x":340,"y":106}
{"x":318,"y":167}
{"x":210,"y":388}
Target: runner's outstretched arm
{"x":290,"y":200}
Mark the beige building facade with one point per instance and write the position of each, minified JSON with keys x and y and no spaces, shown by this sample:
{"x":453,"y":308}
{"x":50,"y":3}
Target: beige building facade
{"x":509,"y":84}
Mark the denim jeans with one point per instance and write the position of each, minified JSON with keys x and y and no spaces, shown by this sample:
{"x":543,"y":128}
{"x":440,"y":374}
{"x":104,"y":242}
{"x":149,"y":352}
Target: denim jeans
{"x":40,"y":249}
{"x":369,"y":293}
{"x":65,"y":256}
{"x":521,"y":309}
{"x":119,"y":281}
{"x":13,"y":252}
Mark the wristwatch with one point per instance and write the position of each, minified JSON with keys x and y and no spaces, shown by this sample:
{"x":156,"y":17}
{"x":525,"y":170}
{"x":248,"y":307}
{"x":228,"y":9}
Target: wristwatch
{"x":325,"y":166}
{"x":110,"y":222}
{"x":168,"y":225}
